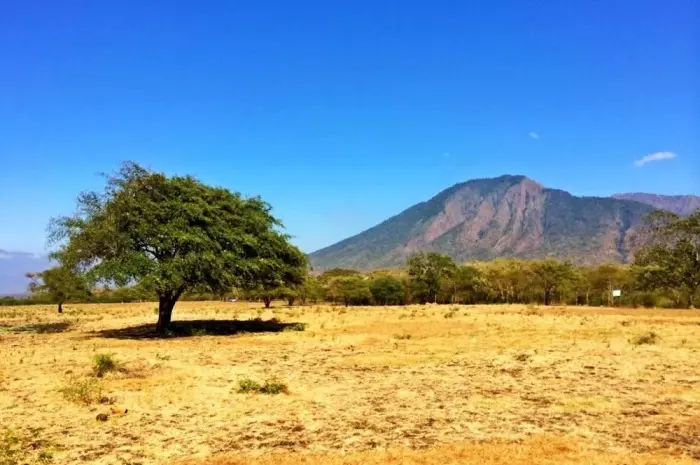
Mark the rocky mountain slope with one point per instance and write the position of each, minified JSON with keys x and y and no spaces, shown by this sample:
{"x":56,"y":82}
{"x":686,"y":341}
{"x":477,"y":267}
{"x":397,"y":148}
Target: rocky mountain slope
{"x":508,"y":216}
{"x":682,"y":205}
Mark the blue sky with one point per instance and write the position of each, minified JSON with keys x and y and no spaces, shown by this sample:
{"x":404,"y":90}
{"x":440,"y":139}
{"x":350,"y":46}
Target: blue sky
{"x":341,"y":114}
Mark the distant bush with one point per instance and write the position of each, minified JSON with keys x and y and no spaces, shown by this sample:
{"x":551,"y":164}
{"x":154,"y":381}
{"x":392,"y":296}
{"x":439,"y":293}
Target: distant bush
{"x":271,"y":386}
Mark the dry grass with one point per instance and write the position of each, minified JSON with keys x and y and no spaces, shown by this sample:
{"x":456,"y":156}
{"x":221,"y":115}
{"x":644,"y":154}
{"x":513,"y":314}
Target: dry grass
{"x":489,"y":385}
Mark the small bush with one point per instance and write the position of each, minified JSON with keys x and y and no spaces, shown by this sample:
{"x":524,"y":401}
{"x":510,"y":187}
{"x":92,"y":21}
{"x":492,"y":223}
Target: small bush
{"x":450,"y":314}
{"x":104,"y":363}
{"x":646,"y":338}
{"x":522,"y":357}
{"x":271,"y":386}
{"x":404,"y":336}
{"x":295,"y":327}
{"x":82,"y":391}
{"x":274,"y":386}
{"x":247,"y":385}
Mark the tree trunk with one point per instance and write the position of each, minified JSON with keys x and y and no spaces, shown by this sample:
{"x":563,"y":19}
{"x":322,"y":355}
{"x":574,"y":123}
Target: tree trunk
{"x":60,"y":307}
{"x":166,"y":303}
{"x":547,"y":296}
{"x":267,"y":300}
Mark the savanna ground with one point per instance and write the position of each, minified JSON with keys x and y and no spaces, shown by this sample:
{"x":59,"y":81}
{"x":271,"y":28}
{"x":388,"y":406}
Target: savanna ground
{"x":414,"y":385}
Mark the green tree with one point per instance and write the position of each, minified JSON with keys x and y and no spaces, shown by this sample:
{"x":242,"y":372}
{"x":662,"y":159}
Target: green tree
{"x":175,"y":234}
{"x":353,"y":290}
{"x":311,"y":289}
{"x":468,"y":283}
{"x":387,"y":290}
{"x":426,"y":271}
{"x":670,"y":258}
{"x":551,"y":275}
{"x":607,"y":277}
{"x":59,"y":284}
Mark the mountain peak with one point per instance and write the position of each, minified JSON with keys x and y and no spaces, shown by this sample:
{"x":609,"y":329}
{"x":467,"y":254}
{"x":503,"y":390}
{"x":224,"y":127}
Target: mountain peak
{"x":509,"y":215}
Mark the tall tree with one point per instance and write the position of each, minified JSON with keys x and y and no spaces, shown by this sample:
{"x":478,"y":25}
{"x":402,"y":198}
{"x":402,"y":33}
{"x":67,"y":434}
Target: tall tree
{"x":670,"y":259}
{"x":174,"y":234}
{"x":387,"y":290}
{"x":427,"y":270}
{"x":550,"y":275}
{"x":60,"y":284}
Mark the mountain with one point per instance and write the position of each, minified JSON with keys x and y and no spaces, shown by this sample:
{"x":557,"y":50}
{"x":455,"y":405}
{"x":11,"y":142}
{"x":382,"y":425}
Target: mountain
{"x":682,"y":205}
{"x":13,"y":265}
{"x":508,"y":216}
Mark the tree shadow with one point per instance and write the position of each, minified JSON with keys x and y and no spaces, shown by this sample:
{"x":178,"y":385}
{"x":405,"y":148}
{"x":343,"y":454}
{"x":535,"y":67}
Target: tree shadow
{"x":38,"y":328}
{"x":193,"y":328}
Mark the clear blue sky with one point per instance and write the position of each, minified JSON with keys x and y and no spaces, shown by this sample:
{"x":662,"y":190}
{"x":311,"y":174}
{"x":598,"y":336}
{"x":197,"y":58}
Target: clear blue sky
{"x":341,"y":114}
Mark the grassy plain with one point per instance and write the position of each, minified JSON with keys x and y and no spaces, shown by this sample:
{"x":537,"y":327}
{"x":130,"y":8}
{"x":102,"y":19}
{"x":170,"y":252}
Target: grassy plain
{"x":380,"y":385}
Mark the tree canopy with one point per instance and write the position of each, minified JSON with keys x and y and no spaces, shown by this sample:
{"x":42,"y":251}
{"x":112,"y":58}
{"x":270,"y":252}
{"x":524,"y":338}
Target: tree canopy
{"x":670,"y":259}
{"x":59,"y":284}
{"x":175,"y":234}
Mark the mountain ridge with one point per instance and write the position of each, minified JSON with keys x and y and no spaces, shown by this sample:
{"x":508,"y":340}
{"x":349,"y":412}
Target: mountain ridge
{"x":506,"y":216}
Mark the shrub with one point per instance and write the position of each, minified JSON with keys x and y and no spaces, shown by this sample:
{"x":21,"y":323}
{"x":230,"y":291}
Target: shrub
{"x":405,"y":336}
{"x":82,"y":391}
{"x":247,"y":385}
{"x":271,"y":386}
{"x":646,"y":338}
{"x":450,"y":314}
{"x":104,"y":363}
{"x":295,"y":327}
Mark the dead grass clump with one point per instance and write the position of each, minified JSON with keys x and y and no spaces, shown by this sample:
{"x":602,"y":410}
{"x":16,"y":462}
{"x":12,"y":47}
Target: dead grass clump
{"x":23,"y":449}
{"x":82,"y":390}
{"x":647,"y":338}
{"x":531,"y":310}
{"x":295,"y":327}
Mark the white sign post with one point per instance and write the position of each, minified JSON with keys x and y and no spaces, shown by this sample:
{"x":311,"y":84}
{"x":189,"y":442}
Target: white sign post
{"x":617,"y":293}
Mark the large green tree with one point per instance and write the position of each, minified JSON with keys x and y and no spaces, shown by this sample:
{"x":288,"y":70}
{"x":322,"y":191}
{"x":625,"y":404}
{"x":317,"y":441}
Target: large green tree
{"x":427,"y":271}
{"x":175,"y":234}
{"x":670,"y":258}
{"x":59,"y":284}
{"x":551,"y":275}
{"x":387,"y":290}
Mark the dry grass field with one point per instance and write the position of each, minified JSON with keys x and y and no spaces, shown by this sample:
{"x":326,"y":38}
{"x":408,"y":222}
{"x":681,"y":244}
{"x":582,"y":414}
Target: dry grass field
{"x":414,"y":385}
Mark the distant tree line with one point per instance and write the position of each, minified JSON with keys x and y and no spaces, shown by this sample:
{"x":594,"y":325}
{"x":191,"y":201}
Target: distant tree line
{"x":148,"y":235}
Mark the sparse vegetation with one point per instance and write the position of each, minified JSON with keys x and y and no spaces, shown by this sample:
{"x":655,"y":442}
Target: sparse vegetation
{"x":104,"y":363}
{"x":270,"y":386}
{"x":295,"y":327}
{"x":365,"y":370}
{"x":647,"y":338}
{"x":85,"y":390}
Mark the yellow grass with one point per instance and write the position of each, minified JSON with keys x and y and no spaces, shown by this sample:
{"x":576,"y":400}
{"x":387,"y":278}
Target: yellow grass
{"x":394,"y":385}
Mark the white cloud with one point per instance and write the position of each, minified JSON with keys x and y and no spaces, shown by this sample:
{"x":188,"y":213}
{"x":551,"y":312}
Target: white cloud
{"x":657,"y":156}
{"x":4,"y":255}
{"x":533,"y":135}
